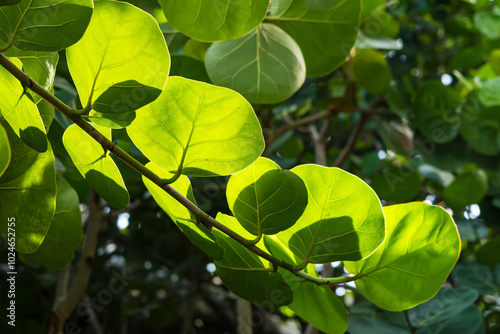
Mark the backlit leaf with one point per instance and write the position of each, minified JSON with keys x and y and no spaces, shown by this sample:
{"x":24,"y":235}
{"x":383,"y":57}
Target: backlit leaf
{"x":5,"y":152}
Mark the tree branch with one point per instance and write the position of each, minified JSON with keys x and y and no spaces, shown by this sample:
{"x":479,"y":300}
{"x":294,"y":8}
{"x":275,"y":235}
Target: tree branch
{"x":351,"y":142}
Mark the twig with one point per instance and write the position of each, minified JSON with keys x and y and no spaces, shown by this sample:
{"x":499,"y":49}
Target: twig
{"x":351,"y":143}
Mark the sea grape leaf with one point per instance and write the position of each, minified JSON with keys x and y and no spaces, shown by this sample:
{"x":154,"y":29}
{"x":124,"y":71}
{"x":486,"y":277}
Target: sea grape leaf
{"x":371,"y":71}
{"x":196,"y":49}
{"x":9,"y":2}
{"x":488,"y":92}
{"x":189,"y":68}
{"x":488,"y":253}
{"x":121,"y":63}
{"x":5,"y":151}
{"x":214,"y":20}
{"x":266,"y":199}
{"x":325,"y":37}
{"x":480,"y":277}
{"x":44,"y":25}
{"x":95,"y":165}
{"x":200,"y":129}
{"x":265,"y":66}
{"x":65,"y":233}
{"x":185,"y":220}
{"x":39,"y":66}
{"x":420,"y":249}
{"x":436,"y":111}
{"x":343,"y":219}
{"x":20,"y":111}
{"x":28,"y":193}
{"x":246,"y":274}
{"x":469,"y":321}
{"x":481,"y":130}
{"x":322,"y":4}
{"x":397,"y":184}
{"x":469,"y":187}
{"x":364,"y":324}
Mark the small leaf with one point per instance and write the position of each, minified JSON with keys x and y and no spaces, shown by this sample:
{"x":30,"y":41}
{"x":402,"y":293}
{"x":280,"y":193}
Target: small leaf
{"x":48,"y":25}
{"x":20,"y":111}
{"x":397,"y":183}
{"x":214,"y":20}
{"x":343,"y":219}
{"x":96,"y":166}
{"x":371,"y":71}
{"x":203,"y":129}
{"x":65,"y":232}
{"x":420,"y":249}
{"x":265,"y":66}
{"x":334,"y":32}
{"x":186,"y":221}
{"x":5,"y":152}
{"x":28,"y":193}
{"x":488,"y":92}
{"x":265,"y":198}
{"x":121,"y":63}
{"x":435,"y":111}
{"x":246,"y":274}
{"x":468,"y":188}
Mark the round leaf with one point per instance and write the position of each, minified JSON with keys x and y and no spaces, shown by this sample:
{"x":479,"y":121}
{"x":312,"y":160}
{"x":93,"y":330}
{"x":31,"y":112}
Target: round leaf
{"x":121,"y":63}
{"x":326,"y":37}
{"x":477,"y":276}
{"x":214,"y":20}
{"x":265,"y":66}
{"x":420,"y":249}
{"x":265,"y":198}
{"x":467,"y":188}
{"x":488,"y":253}
{"x":201,"y":129}
{"x":44,"y":25}
{"x":96,"y":166}
{"x":189,"y":68}
{"x":372,"y":71}
{"x":343,"y":219}
{"x":322,"y":4}
{"x":397,"y":184}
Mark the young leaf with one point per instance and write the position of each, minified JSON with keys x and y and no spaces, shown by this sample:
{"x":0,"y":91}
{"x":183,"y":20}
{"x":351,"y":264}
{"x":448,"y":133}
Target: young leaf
{"x":214,"y":20}
{"x":44,"y":25}
{"x":28,"y":193}
{"x":266,"y":199}
{"x":246,"y":274}
{"x":343,"y":219}
{"x":65,"y":232}
{"x":326,"y":37}
{"x":265,"y":66}
{"x":5,"y":152}
{"x":420,"y":249}
{"x":199,"y":129}
{"x":20,"y":111}
{"x":121,"y":63}
{"x":185,"y":220}
{"x":96,"y":166}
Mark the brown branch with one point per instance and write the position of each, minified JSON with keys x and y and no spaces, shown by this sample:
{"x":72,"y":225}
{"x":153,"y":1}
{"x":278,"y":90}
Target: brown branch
{"x":351,"y":142}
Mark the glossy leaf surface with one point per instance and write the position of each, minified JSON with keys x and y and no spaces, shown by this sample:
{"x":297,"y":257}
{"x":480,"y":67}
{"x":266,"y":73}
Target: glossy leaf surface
{"x":421,"y":247}
{"x":95,"y":165}
{"x":201,"y":129}
{"x":265,"y":198}
{"x":186,"y":221}
{"x":265,"y":66}
{"x":343,"y":219}
{"x":65,"y":232}
{"x":121,"y":63}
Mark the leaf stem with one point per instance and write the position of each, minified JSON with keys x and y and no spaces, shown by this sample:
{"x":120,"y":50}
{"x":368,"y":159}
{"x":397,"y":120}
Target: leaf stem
{"x":146,"y":172}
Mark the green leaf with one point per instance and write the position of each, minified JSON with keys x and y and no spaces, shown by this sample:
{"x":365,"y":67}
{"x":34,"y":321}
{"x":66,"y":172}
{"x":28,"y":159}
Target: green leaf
{"x":317,"y":304}
{"x":121,"y":63}
{"x":435,"y":111}
{"x":175,"y":39}
{"x":488,"y":23}
{"x":198,"y":128}
{"x":39,"y":66}
{"x":44,"y":25}
{"x":47,"y":112}
{"x":446,"y":304}
{"x":9,"y":2}
{"x":266,"y":199}
{"x":65,"y":232}
{"x":292,"y":148}
{"x":420,"y":249}
{"x":481,"y":134}
{"x":185,"y":220}
{"x":363,"y":325}
{"x":95,"y":165}
{"x":370,"y":6}
{"x":343,"y":219}
{"x":246,"y":274}
{"x":5,"y":152}
{"x":468,"y":188}
{"x":371,"y":71}
{"x":326,"y":37}
{"x":322,"y":4}
{"x":488,"y":253}
{"x":469,"y":321}
{"x":20,"y":111}
{"x":488,"y":92}
{"x":189,"y":68}
{"x":376,"y":42}
{"x":214,"y":20}
{"x":494,"y":60}
{"x":265,"y":66}
{"x":28,"y":193}
{"x":482,"y":278}
{"x":196,"y":49}
{"x":397,"y":184}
